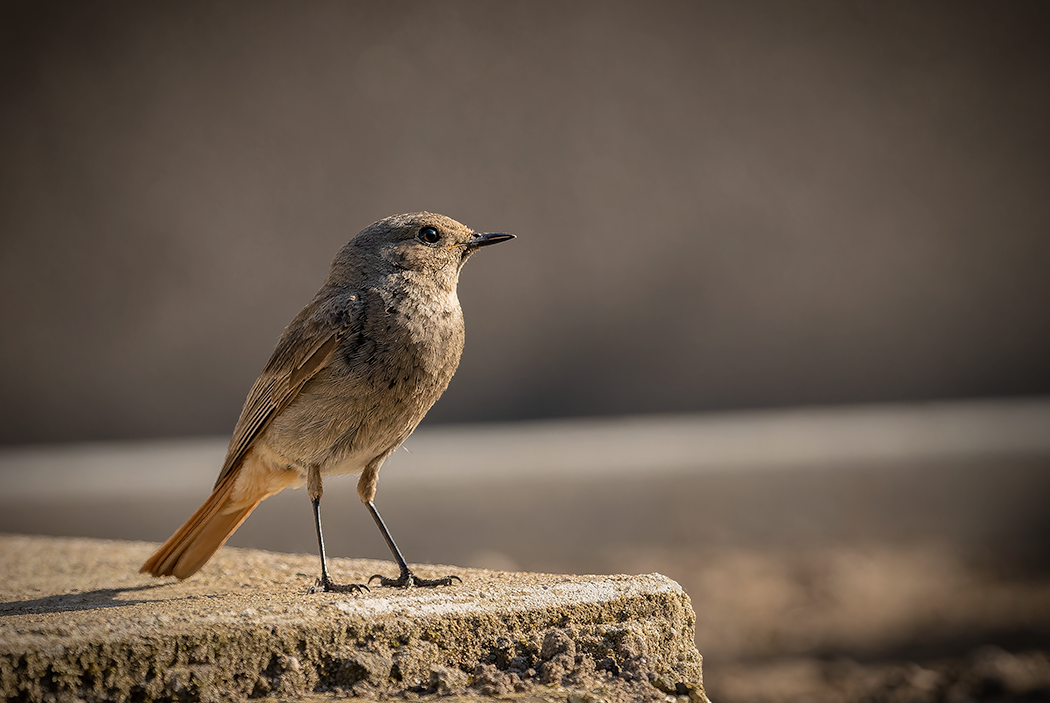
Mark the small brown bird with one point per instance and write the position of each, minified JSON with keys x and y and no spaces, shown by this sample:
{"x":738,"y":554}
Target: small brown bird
{"x":351,"y":377}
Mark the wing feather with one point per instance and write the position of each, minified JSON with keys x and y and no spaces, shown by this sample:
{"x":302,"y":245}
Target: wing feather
{"x":306,"y":347}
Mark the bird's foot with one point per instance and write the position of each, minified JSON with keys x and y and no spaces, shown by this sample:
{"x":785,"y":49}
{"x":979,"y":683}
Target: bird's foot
{"x":407,"y":580}
{"x":325,"y":584}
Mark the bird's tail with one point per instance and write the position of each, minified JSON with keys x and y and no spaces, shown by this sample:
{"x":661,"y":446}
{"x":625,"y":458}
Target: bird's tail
{"x":233,"y":499}
{"x":196,"y":542}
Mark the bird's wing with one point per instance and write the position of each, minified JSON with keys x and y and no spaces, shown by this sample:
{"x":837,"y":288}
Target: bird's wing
{"x":305,"y":348}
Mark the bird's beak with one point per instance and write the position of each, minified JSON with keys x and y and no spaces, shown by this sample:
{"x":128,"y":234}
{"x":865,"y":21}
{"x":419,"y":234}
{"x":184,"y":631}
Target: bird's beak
{"x":483,"y":240}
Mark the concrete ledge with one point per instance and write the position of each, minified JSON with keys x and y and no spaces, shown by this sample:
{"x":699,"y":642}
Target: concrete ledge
{"x":77,"y":622}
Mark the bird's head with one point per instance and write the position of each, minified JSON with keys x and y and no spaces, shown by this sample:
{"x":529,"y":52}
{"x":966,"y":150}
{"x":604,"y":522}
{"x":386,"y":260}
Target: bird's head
{"x":420,"y":242}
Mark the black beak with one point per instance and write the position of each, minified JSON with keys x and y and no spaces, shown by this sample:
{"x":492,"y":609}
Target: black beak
{"x":483,"y":240}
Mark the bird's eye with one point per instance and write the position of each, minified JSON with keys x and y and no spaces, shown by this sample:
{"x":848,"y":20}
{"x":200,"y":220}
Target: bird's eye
{"x":428,"y":235}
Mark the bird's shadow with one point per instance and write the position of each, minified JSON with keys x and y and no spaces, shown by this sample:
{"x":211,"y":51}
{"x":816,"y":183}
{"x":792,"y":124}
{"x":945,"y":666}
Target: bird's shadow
{"x":67,"y":602}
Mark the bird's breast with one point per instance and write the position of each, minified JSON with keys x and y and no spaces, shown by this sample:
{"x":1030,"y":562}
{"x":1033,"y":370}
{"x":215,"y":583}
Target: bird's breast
{"x":389,"y":368}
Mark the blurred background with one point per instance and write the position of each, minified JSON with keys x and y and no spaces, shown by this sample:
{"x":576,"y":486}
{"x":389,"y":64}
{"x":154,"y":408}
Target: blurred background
{"x":729,"y":214}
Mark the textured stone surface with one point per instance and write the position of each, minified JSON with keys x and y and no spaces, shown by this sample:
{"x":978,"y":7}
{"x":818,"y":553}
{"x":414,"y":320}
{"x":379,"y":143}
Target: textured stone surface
{"x":77,"y":622}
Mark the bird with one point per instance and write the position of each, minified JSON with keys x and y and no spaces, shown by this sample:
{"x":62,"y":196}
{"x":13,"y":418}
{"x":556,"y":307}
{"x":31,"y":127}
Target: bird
{"x":351,"y":377}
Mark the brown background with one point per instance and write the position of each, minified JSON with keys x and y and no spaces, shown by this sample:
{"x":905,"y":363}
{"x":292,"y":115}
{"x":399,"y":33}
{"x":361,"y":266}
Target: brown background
{"x":719,"y":205}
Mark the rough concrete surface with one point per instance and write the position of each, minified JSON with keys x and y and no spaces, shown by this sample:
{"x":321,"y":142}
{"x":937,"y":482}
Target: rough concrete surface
{"x":77,"y":622}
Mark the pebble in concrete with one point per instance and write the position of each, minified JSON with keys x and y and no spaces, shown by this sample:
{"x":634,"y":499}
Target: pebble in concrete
{"x":78,"y":623}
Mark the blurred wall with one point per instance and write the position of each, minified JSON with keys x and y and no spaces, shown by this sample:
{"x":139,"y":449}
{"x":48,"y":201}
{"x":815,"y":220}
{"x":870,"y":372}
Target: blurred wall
{"x":719,"y":205}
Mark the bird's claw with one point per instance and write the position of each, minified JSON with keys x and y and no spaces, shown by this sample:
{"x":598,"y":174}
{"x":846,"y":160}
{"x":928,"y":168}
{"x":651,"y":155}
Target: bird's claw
{"x":327,"y":585}
{"x":408,"y":580}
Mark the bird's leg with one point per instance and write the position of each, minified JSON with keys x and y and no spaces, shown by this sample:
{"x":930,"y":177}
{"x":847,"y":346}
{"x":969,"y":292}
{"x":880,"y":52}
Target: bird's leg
{"x":406,"y":579}
{"x":325,"y":583}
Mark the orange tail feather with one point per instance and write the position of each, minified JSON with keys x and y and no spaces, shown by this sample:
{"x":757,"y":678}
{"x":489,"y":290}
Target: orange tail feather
{"x":204,"y":533}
